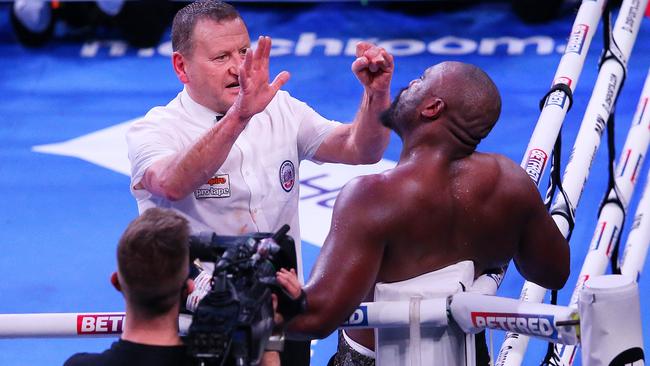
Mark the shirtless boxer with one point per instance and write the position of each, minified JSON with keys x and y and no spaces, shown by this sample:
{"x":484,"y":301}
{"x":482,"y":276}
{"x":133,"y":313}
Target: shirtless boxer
{"x":443,"y":203}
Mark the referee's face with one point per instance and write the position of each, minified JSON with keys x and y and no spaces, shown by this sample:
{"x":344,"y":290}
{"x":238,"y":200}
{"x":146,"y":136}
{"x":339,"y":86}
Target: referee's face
{"x":211,"y":70}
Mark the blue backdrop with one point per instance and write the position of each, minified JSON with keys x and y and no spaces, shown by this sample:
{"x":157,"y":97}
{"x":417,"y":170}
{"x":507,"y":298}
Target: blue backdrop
{"x":64,"y":206}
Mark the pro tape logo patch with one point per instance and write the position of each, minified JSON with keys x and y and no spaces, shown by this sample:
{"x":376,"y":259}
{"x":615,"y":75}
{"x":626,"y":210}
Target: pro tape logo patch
{"x":577,"y":38}
{"x":216,"y":187}
{"x":535,"y":164}
{"x":532,"y":324}
{"x":89,"y":324}
{"x":287,"y":175}
{"x":359,"y":318}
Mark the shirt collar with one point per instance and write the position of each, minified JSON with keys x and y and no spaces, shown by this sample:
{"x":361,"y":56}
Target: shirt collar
{"x":199,"y":113}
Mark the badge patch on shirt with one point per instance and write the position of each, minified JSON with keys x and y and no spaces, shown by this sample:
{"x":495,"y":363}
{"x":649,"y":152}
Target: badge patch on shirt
{"x":287,"y":175}
{"x":216,"y":187}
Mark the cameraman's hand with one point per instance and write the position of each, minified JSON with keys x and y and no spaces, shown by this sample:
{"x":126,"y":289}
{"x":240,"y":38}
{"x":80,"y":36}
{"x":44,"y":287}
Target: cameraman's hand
{"x":291,"y":300}
{"x":289,"y":281}
{"x":201,"y":286}
{"x":277,"y":317}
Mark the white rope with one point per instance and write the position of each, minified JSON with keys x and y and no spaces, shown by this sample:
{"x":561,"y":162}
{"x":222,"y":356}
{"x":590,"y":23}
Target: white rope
{"x":62,"y":325}
{"x":610,"y":220}
{"x":543,"y":139}
{"x":636,"y":246}
{"x":471,"y":312}
{"x":593,"y":125}
{"x":568,"y":72}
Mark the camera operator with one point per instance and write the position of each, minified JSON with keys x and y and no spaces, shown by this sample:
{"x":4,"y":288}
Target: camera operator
{"x":152,"y":275}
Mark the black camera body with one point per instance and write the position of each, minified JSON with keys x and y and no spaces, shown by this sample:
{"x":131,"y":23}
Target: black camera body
{"x":233,"y":322}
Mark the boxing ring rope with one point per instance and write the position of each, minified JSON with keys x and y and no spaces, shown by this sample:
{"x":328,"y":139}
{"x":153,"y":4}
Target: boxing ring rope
{"x":611,"y":218}
{"x":66,"y":325}
{"x":556,"y":107}
{"x":634,"y":152}
{"x":470,"y":312}
{"x":436,"y":312}
{"x":638,"y":239}
{"x":593,"y":124}
{"x":550,"y":121}
{"x":473,"y":313}
{"x":636,"y":246}
{"x":554,"y":111}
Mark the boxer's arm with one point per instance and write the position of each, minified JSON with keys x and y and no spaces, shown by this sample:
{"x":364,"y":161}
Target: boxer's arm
{"x":543,"y":253}
{"x":365,"y":139}
{"x":349,"y":261}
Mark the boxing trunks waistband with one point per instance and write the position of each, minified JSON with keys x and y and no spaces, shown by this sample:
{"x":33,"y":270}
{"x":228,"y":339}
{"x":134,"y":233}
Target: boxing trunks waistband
{"x":351,"y":353}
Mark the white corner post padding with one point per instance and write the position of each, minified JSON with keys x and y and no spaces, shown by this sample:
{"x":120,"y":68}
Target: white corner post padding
{"x":610,"y":322}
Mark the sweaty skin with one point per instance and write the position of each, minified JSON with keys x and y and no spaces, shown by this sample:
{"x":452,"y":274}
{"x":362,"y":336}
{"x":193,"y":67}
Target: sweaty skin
{"x":443,"y":203}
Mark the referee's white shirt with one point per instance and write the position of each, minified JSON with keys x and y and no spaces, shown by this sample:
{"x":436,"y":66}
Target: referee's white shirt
{"x":256,"y":188}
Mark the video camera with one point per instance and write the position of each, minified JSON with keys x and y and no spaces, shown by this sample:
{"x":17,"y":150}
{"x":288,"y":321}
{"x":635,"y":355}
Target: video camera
{"x":233,"y":322}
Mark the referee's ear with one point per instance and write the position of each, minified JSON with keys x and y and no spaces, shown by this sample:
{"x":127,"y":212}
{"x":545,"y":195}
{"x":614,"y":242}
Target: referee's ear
{"x":179,"y":64}
{"x":115,"y":281}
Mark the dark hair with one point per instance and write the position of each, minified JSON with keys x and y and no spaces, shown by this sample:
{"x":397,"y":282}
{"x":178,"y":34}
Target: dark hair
{"x":186,"y":18}
{"x":153,"y":260}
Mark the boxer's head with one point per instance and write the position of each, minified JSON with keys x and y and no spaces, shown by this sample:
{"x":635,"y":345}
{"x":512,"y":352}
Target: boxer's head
{"x":153,"y":262}
{"x":461,"y":94}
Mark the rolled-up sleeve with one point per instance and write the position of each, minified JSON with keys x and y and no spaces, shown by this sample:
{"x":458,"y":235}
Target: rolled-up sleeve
{"x":148,"y":141}
{"x":312,"y":130}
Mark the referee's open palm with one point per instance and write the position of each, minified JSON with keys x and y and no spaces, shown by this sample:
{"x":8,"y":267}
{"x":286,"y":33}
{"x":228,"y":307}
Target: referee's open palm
{"x":255,"y":91}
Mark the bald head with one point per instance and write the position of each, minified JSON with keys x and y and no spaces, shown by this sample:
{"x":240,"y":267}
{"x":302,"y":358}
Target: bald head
{"x":456,"y":92}
{"x":470,"y":96}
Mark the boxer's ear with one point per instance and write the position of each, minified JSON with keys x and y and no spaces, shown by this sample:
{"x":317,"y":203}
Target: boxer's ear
{"x":433,"y":108}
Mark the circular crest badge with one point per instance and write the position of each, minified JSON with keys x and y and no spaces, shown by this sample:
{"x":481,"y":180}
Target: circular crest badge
{"x":287,"y":175}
